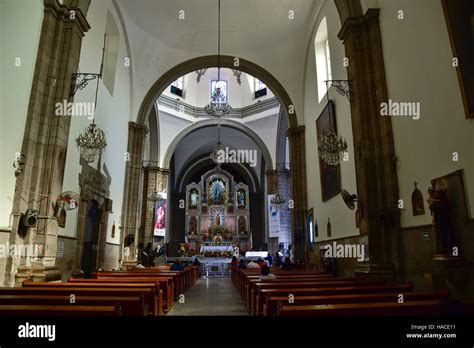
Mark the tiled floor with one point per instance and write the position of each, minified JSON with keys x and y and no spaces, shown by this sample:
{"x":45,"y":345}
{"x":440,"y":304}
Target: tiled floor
{"x":214,"y":296}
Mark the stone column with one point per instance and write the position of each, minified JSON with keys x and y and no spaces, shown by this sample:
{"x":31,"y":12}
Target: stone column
{"x":155,"y":179}
{"x":296,"y":138}
{"x":130,"y":221}
{"x":45,"y":138}
{"x":375,"y":159}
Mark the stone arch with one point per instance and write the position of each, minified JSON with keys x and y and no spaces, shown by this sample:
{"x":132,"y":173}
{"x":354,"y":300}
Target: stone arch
{"x":226,"y":123}
{"x":348,"y":9}
{"x":212,"y":61}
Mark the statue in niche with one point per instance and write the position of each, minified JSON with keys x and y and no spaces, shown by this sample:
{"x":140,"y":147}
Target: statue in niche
{"x":440,"y":211}
{"x":193,"y":199}
{"x":217,"y":192}
{"x":241,"y":199}
{"x":417,"y":203}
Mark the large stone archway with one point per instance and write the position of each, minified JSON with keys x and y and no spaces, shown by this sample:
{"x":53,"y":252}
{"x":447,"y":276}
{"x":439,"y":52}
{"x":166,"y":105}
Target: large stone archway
{"x":138,"y":131}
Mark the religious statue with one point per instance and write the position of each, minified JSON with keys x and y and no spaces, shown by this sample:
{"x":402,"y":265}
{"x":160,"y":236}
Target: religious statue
{"x":441,"y":221}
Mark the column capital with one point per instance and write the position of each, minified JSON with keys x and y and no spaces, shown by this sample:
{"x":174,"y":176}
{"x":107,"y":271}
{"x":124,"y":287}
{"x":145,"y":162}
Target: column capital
{"x":138,"y":127}
{"x":294,"y":132}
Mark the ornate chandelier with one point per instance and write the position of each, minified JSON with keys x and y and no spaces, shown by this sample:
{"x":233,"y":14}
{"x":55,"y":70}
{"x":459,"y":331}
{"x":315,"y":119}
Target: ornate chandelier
{"x":218,"y":150}
{"x":218,"y":107}
{"x":91,"y":142}
{"x":331,"y":147}
{"x":156,"y":197}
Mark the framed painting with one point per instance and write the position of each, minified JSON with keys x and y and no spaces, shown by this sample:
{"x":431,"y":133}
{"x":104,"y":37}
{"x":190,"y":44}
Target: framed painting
{"x":459,"y":16}
{"x":330,"y":176}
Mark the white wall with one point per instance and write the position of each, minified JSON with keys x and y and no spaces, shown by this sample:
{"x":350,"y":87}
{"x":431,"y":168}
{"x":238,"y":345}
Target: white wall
{"x":20,"y":25}
{"x":112,"y":115}
{"x":418,"y":64}
{"x":342,"y":219}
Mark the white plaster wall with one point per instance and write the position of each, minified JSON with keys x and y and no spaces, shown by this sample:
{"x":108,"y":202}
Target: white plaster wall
{"x":20,"y":24}
{"x":281,"y":56}
{"x":342,"y":219}
{"x":418,"y":63}
{"x":112,"y":115}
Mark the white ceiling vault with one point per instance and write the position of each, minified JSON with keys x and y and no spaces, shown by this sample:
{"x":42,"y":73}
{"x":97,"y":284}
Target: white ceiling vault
{"x":273,"y":34}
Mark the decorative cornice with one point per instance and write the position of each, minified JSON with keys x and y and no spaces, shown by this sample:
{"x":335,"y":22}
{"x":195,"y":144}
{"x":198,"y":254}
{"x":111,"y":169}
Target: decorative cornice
{"x":356,"y":24}
{"x":198,"y":112}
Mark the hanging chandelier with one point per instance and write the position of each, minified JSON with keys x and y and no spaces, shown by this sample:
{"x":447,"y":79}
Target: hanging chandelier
{"x":330,"y":148}
{"x":277,"y":198}
{"x":218,"y":107}
{"x":91,"y":142}
{"x":156,"y":196}
{"x":218,"y":150}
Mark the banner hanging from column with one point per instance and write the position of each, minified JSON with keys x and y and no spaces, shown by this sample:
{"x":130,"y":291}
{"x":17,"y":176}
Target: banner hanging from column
{"x":273,"y":219}
{"x":160,"y":217}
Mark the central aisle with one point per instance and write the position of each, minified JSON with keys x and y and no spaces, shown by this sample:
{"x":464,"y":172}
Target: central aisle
{"x":214,"y":296}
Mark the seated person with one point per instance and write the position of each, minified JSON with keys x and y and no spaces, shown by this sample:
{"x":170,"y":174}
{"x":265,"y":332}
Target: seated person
{"x":253,"y":264}
{"x":196,"y":262}
{"x":265,"y":273}
{"x":234,"y":261}
{"x":261,"y":262}
{"x":176,"y":266}
{"x":287,"y":265}
{"x":241,"y":264}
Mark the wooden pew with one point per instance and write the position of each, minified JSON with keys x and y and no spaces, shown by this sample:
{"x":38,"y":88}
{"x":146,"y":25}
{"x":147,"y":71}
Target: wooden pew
{"x":59,"y":311}
{"x":178,"y":279}
{"x":270,"y":307}
{"x":127,"y":305}
{"x":263,"y":295}
{"x":275,"y":284}
{"x":412,"y":308}
{"x":155,"y":304}
{"x":165,"y":284}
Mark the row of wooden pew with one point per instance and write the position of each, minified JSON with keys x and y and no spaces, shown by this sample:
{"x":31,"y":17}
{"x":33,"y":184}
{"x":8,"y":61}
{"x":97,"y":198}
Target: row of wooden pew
{"x":134,"y":292}
{"x":309,"y":293}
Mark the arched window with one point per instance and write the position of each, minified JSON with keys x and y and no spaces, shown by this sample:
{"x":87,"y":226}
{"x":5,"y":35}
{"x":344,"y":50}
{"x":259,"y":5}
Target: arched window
{"x":177,"y":86}
{"x":323,"y":58}
{"x":111,"y":53}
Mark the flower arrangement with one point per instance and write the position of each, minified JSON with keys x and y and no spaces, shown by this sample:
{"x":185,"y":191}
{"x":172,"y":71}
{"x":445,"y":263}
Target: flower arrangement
{"x":185,"y":251}
{"x":217,"y":254}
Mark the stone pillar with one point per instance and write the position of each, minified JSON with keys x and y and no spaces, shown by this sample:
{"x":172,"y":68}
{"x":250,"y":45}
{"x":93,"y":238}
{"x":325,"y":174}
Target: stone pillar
{"x":130,"y":221}
{"x":296,"y":138}
{"x":375,"y":160}
{"x":279,"y":180}
{"x":45,"y":138}
{"x":155,"y":179}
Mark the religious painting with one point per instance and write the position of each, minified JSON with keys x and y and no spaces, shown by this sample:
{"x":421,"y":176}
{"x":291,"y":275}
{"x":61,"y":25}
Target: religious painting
{"x":459,"y":15}
{"x":241,"y":199}
{"x":330,"y":176}
{"x":160,"y":218}
{"x":192,"y":227}
{"x":417,"y":202}
{"x":113,"y":230}
{"x":193,"y":198}
{"x":329,"y":228}
{"x":62,"y":218}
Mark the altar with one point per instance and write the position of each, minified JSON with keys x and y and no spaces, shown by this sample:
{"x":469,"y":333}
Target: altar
{"x":217,"y":215}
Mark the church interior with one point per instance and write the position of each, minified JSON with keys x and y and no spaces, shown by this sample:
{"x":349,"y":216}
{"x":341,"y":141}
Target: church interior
{"x":236,"y":158}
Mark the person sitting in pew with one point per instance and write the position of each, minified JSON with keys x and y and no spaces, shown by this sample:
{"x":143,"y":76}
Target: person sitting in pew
{"x":261,"y":262}
{"x":241,"y":265}
{"x":253,"y":264}
{"x":287,"y":265}
{"x":176,"y":266}
{"x":265,"y":273}
{"x":196,"y":262}
{"x":234,"y":261}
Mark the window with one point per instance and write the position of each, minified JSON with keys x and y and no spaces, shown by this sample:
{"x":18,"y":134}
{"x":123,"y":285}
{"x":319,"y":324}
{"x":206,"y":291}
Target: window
{"x":323,"y":59}
{"x":177,"y":86}
{"x":260,"y":88}
{"x":110,"y":53}
{"x":219,"y":91}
